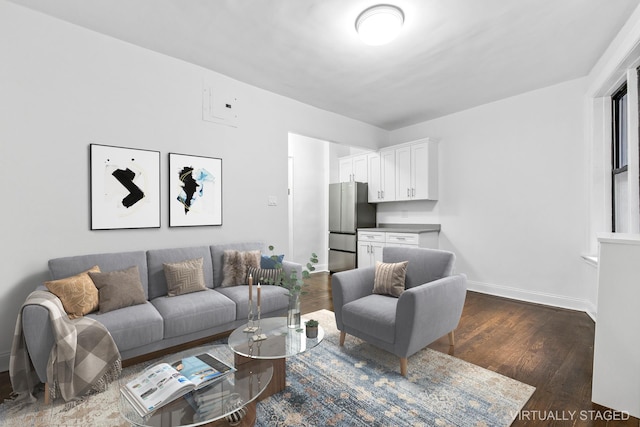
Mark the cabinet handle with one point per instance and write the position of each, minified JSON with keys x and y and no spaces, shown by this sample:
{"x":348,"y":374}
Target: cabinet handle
{"x":413,"y":192}
{"x":382,"y":192}
{"x":379,"y":197}
{"x":408,"y":192}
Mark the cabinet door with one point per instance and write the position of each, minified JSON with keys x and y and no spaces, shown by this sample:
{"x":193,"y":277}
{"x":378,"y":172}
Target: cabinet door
{"x":376,"y":252}
{"x":364,"y":254}
{"x":374,"y":177}
{"x":388,"y":175}
{"x":424,"y":171}
{"x":403,"y":173}
{"x":345,"y":166}
{"x":359,"y":168}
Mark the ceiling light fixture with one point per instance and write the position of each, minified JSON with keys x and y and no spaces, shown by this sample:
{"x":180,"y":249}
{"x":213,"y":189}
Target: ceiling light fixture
{"x":379,"y":24}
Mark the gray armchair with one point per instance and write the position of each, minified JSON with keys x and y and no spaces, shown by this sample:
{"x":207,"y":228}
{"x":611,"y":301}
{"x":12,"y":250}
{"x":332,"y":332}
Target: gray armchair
{"x":429,"y":308}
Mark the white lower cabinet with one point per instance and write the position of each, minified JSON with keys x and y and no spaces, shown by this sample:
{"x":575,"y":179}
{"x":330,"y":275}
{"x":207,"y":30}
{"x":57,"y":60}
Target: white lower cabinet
{"x":371,"y":244}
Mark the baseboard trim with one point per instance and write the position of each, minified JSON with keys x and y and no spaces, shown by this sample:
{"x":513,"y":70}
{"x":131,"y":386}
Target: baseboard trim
{"x":534,"y":297}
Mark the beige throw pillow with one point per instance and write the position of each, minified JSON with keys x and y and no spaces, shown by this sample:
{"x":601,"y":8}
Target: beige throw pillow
{"x":119,"y":289}
{"x":389,"y":278}
{"x":78,"y":294}
{"x":235,"y":266}
{"x":184,"y":277}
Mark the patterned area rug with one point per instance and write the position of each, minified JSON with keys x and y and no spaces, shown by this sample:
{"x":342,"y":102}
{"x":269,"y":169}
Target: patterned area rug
{"x":354,"y":385}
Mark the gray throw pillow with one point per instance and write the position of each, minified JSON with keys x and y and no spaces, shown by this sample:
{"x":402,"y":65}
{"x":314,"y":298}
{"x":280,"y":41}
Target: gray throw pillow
{"x":235,"y":266}
{"x":184,"y":277}
{"x":263,"y":275}
{"x":118,"y":289}
{"x":389,"y":278}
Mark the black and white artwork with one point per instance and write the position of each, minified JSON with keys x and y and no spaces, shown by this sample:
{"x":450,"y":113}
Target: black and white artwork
{"x":125,"y":188}
{"x":195,"y":190}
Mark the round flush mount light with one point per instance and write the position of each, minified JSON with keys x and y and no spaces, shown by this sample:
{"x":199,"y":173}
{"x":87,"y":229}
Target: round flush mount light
{"x":379,"y":24}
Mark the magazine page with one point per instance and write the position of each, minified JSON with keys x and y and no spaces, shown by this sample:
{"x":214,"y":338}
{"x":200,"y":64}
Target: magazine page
{"x":202,"y":369}
{"x":156,"y":386}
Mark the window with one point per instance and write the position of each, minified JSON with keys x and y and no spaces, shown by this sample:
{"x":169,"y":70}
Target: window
{"x":620,"y":175}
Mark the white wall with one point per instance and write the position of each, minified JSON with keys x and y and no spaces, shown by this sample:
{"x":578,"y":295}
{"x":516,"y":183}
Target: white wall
{"x":64,"y":87}
{"x":512,"y":194}
{"x":309,"y":193}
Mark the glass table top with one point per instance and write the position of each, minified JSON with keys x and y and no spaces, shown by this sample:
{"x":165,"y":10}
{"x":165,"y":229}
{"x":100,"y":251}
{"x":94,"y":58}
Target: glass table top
{"x":238,"y":388}
{"x":281,"y":340}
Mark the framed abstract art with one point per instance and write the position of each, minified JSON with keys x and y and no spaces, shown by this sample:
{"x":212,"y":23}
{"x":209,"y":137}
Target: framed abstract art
{"x":195,"y":190}
{"x":125,"y":187}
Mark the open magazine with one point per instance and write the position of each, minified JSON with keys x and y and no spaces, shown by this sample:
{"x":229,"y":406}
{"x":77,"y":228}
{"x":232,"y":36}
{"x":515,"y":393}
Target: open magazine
{"x":162,"y":383}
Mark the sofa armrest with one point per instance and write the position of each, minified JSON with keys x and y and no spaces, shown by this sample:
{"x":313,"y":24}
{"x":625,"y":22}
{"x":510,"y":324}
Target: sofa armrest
{"x":427,"y":312}
{"x":350,"y":285}
{"x":290,"y":266}
{"x":38,"y":335}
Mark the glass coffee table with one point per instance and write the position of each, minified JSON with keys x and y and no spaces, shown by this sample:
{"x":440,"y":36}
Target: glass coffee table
{"x":238,"y":407}
{"x":280,"y":342}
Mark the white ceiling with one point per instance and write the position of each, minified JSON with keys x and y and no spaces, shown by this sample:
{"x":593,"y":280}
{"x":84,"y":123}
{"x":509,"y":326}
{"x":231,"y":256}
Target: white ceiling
{"x":450,"y":56}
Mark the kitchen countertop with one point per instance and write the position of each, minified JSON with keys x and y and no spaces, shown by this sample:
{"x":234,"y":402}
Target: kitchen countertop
{"x":404,"y":228}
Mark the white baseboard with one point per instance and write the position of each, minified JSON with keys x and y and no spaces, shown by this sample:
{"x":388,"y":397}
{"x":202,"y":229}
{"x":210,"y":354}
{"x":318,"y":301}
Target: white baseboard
{"x":535,"y":297}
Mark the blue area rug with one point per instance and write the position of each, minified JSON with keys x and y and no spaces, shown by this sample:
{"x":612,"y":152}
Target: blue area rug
{"x":360,"y":385}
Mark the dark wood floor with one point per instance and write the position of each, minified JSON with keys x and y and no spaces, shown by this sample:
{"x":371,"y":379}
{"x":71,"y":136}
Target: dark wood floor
{"x":546,"y":347}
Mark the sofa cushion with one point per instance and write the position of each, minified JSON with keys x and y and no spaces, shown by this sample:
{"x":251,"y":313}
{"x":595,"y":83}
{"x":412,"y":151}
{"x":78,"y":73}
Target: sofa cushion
{"x":272,"y":298}
{"x":217,"y":257}
{"x":118,"y":289}
{"x":389,"y":278}
{"x":69,"y":266}
{"x":156,"y":258}
{"x":184,"y":277}
{"x":194,"y":312}
{"x":236,"y":264}
{"x":78,"y":294}
{"x":374,"y":315}
{"x":133,"y":326}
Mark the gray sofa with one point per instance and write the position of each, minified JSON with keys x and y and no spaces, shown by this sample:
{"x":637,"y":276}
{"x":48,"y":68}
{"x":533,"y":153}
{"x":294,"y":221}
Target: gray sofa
{"x":162,"y":321}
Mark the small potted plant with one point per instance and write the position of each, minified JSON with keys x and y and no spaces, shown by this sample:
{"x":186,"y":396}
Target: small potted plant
{"x":312,"y":328}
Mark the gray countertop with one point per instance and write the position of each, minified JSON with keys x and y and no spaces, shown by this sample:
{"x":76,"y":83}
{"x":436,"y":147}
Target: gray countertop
{"x":404,"y":228}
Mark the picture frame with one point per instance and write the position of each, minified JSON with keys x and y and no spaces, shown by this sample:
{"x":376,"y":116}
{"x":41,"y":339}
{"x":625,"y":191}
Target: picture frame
{"x":125,"y":187}
{"x":195,"y":190}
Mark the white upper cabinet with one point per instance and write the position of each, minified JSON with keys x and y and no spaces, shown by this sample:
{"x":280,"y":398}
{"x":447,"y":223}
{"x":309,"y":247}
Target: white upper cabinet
{"x":417,"y":171}
{"x":353,"y":168}
{"x":382,"y":178}
{"x":401,"y":172}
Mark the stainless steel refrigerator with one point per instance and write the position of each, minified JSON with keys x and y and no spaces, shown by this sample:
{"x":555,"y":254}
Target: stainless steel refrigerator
{"x":349,"y":210}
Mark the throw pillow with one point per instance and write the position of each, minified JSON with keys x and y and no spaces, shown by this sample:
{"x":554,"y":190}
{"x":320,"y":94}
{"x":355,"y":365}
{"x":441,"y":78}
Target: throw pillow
{"x":78,"y":294}
{"x":119,"y":289}
{"x":235,"y":265}
{"x":389,"y":278}
{"x":267,"y":262}
{"x":263,"y":275}
{"x":184,"y":277}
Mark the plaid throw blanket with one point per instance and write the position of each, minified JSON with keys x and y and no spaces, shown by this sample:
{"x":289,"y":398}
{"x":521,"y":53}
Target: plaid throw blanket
{"x":83,"y":360}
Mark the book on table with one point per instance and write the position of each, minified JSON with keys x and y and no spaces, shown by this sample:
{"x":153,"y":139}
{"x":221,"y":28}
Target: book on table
{"x":162,"y":383}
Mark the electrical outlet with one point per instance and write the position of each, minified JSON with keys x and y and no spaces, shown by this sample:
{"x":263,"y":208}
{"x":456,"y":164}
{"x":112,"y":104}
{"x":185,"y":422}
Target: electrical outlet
{"x":273,"y":201}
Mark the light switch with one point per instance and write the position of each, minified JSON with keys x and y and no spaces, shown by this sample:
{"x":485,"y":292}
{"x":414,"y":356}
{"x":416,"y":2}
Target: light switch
{"x":273,"y":201}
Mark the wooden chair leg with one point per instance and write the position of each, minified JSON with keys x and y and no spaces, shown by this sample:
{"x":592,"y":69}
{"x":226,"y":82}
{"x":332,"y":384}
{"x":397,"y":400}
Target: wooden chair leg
{"x":46,"y":394}
{"x":342,"y":337}
{"x":452,"y":340}
{"x":403,"y":366}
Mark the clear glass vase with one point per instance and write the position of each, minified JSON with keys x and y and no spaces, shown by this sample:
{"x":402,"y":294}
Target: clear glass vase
{"x":293,"y":314}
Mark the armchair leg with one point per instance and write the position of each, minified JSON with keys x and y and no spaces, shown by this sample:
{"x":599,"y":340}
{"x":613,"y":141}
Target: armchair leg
{"x":452,"y":340}
{"x":403,"y":366}
{"x":46,"y":394}
{"x":342,"y":337}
